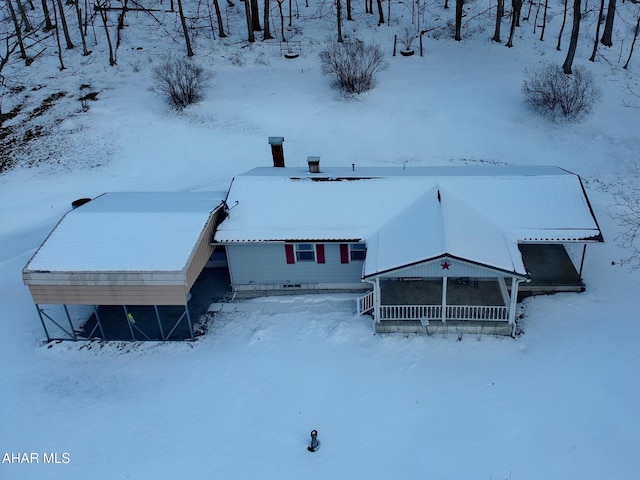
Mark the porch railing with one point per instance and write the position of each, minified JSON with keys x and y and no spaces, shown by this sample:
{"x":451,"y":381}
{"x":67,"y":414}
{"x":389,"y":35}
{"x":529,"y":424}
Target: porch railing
{"x":452,"y":312}
{"x":366,"y":303}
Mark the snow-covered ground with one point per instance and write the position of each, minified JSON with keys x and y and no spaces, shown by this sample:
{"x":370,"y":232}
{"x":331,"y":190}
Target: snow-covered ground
{"x":560,"y":401}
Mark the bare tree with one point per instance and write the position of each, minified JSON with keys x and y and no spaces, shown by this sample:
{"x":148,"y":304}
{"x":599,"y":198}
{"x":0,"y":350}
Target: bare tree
{"x":633,"y":43}
{"x":595,"y":41}
{"x":255,"y":16}
{"x":284,"y":39}
{"x":516,"y":8}
{"x":65,"y":28}
{"x":185,"y":29}
{"x":216,"y":6}
{"x":16,"y":25}
{"x":608,"y":24}
{"x":104,"y":15}
{"x":499,"y":15}
{"x":267,"y":26}
{"x":544,"y":20}
{"x":48,"y":24}
{"x":339,"y":16}
{"x":564,"y":21}
{"x":247,"y":12}
{"x":573,"y":43}
{"x":349,"y":17}
{"x":85,"y":52}
{"x":55,"y":16}
{"x":25,"y":19}
{"x":380,"y":13}
{"x":459,"y":11}
{"x":627,"y":212}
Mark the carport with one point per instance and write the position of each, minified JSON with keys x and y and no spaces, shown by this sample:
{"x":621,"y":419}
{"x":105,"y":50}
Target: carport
{"x":124,"y":262}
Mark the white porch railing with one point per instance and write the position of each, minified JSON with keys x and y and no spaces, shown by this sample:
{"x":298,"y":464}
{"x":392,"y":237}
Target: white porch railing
{"x":452,"y":312}
{"x":410,"y":312}
{"x":366,"y":303}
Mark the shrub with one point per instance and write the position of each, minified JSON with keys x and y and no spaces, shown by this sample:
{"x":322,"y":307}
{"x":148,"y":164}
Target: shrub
{"x":181,"y":80}
{"x":353,"y":65}
{"x":551,"y":92}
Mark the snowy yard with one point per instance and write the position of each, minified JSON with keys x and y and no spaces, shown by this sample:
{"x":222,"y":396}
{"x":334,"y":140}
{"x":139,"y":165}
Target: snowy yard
{"x":558,"y":402}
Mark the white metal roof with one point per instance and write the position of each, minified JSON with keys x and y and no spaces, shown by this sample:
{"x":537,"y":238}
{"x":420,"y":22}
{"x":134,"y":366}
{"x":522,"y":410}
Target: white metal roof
{"x":482,"y":213}
{"x":128,"y":232}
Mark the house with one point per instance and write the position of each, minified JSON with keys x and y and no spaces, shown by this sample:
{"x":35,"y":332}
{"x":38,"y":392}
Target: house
{"x":129,"y":261}
{"x":431,"y":247}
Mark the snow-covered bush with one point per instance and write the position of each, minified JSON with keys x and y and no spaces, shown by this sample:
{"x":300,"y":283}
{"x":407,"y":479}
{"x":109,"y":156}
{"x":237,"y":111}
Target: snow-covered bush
{"x":181,"y":80}
{"x":353,"y":65}
{"x":551,"y":92}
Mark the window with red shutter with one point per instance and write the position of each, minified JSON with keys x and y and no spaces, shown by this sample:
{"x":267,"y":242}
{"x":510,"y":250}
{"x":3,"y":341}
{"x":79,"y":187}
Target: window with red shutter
{"x":291,"y":257}
{"x":320,"y":253}
{"x":344,"y":253}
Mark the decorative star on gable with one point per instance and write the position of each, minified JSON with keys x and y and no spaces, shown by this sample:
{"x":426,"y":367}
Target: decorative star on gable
{"x":445,"y":265}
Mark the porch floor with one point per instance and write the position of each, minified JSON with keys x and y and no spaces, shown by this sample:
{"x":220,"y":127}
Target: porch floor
{"x":550,"y":268}
{"x":429,"y":292}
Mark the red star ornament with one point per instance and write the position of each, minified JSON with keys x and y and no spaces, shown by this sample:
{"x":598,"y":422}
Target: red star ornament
{"x":445,"y":265}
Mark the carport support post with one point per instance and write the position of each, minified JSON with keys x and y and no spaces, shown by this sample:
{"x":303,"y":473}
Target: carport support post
{"x":584,"y":251}
{"x":186,"y":310}
{"x":95,"y":310}
{"x":73,"y":330}
{"x":155,"y":307}
{"x":126,"y":317}
{"x":43,"y":324}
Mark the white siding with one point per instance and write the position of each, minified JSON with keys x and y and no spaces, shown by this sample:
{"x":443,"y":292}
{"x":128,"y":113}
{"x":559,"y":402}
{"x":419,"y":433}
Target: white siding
{"x":433,"y":269}
{"x":266,"y":264}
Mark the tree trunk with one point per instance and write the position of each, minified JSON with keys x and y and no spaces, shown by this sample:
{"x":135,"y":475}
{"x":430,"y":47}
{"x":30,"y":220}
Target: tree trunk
{"x":65,"y":29}
{"x":255,"y":16}
{"x":564,"y":21}
{"x":380,"y":13}
{"x":103,"y":14}
{"x":608,"y":24}
{"x":16,"y":24}
{"x":247,"y":11}
{"x":85,"y":52}
{"x":281,"y":19}
{"x":23,"y":15}
{"x":499,"y":14}
{"x":55,"y":16}
{"x":267,"y":26}
{"x":185,"y":29}
{"x":568,"y":63}
{"x":544,"y":20}
{"x":633,"y":44}
{"x":48,"y":25}
{"x":339,"y":16}
{"x":459,"y":10}
{"x":349,"y":17}
{"x":595,"y":40}
{"x":516,"y":8}
{"x":216,"y":6}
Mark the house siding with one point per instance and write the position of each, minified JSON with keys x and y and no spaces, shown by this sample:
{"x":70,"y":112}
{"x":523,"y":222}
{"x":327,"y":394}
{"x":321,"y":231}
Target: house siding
{"x":266,"y":264}
{"x":109,"y":295}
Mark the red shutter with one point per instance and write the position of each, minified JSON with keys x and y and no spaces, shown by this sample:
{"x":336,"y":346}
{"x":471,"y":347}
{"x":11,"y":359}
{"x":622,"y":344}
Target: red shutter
{"x":344,"y":253}
{"x":320,"y":252}
{"x":291,"y":257}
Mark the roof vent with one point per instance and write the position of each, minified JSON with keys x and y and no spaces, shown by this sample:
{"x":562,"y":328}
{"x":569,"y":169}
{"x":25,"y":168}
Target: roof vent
{"x":277,"y":151}
{"x":314,"y":164}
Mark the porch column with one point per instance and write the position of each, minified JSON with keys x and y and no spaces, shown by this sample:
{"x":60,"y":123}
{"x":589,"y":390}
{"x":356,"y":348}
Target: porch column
{"x":376,"y":301}
{"x":514,"y":300}
{"x":443,"y":315}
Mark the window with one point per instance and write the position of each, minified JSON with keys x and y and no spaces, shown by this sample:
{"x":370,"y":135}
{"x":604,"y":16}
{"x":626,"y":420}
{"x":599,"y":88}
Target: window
{"x":305,"y":252}
{"x":357,"y":251}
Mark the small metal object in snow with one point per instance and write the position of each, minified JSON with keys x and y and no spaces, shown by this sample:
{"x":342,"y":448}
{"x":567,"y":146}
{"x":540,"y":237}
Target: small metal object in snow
{"x":315,"y":443}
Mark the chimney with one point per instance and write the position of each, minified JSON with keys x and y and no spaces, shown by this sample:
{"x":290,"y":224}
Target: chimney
{"x":314,"y":164}
{"x":277,"y":151}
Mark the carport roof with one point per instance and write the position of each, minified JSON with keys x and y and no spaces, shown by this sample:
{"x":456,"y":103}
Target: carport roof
{"x":127,"y":232}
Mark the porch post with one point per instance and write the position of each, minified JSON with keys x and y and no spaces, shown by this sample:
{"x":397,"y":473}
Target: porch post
{"x":514,"y":300}
{"x":444,"y":300}
{"x":376,"y":302}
